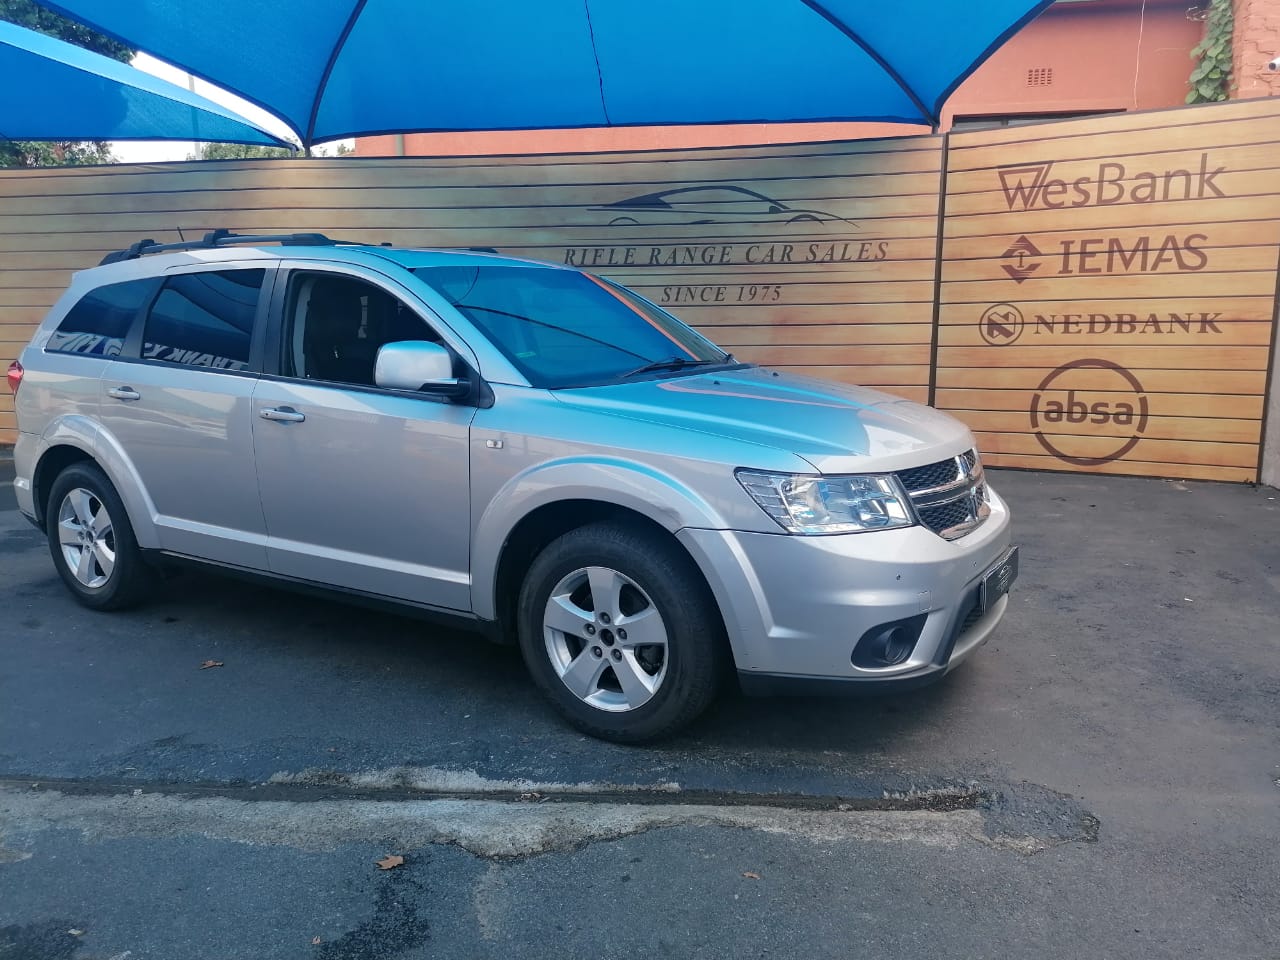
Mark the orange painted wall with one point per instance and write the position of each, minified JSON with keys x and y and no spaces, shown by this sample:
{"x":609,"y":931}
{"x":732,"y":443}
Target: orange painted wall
{"x":622,"y":138}
{"x":1257,"y":41}
{"x":1104,"y":55}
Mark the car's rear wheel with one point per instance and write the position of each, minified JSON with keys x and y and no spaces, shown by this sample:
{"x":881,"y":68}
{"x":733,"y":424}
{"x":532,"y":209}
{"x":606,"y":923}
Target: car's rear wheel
{"x":92,"y":542}
{"x":620,"y":632}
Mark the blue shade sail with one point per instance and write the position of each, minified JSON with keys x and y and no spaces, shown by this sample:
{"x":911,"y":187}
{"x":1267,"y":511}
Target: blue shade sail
{"x":57,"y":91}
{"x":341,"y":68}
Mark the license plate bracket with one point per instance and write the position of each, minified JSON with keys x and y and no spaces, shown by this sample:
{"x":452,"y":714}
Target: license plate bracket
{"x":999,"y":577}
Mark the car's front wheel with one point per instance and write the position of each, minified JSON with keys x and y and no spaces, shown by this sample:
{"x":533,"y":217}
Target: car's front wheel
{"x":619,"y":630}
{"x":91,"y":540}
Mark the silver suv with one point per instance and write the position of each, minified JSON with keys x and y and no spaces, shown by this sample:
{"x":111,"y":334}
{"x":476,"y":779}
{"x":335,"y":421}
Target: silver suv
{"x":524,"y":447}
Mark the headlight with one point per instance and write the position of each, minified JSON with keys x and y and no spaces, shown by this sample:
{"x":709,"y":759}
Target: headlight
{"x":815,"y":505}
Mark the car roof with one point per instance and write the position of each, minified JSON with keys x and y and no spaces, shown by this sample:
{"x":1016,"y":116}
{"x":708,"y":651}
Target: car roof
{"x":377,"y":257}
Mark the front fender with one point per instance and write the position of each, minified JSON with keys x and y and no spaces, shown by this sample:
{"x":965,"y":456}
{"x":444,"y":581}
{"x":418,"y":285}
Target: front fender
{"x":649,"y":492}
{"x":89,"y":436}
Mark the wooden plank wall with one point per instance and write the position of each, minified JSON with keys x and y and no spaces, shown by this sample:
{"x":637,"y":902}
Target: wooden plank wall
{"x":827,"y":265}
{"x":1108,"y":290}
{"x":1107,"y":286}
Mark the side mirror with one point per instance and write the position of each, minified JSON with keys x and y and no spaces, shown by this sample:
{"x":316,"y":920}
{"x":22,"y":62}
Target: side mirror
{"x":417,"y":365}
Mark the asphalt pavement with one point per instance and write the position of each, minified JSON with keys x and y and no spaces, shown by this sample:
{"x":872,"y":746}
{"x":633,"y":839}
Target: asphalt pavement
{"x":1101,"y":780}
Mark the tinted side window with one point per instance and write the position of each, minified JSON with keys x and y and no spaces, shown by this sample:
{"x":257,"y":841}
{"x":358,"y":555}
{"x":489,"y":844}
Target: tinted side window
{"x":338,"y":324}
{"x":99,"y":322}
{"x":204,"y":319}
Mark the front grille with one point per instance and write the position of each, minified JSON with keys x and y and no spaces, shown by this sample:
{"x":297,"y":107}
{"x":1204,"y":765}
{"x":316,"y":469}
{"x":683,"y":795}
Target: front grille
{"x":929,"y":476}
{"x":946,"y":516}
{"x":970,"y":618}
{"x":939,"y":474}
{"x":949,"y":496}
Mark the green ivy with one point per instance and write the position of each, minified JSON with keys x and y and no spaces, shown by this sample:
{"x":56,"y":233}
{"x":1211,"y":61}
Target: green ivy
{"x":1211,"y":78}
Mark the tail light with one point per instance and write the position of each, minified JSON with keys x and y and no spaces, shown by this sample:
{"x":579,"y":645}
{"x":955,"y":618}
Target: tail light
{"x":15,"y":376}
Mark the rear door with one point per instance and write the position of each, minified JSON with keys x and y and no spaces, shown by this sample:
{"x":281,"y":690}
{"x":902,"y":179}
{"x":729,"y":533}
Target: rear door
{"x":362,"y":488}
{"x":177,"y":402}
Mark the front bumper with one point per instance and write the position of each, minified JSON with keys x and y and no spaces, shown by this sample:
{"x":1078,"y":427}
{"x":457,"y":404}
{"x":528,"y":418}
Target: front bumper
{"x":796,"y":606}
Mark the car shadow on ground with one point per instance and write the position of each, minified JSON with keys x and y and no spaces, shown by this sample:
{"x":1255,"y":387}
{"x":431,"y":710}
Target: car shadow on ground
{"x":307,"y":683}
{"x":443,"y":667}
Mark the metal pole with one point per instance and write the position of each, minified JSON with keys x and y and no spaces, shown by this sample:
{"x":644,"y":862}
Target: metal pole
{"x":195,"y":118}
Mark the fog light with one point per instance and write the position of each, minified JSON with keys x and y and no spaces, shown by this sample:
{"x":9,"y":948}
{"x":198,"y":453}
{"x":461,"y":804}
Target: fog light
{"x":888,"y":644}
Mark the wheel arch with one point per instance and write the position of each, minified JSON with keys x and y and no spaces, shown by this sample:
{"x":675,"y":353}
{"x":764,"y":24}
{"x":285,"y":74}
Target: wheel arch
{"x":549,"y":521}
{"x":593,"y":486}
{"x":73,"y":439}
{"x":51,"y":463}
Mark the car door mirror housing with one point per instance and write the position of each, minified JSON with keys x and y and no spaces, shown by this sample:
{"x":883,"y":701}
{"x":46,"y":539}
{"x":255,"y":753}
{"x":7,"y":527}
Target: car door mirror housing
{"x":417,"y":365}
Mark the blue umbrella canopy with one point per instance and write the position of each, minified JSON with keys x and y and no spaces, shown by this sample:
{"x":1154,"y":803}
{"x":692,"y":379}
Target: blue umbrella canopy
{"x":342,"y":68}
{"x":58,"y":91}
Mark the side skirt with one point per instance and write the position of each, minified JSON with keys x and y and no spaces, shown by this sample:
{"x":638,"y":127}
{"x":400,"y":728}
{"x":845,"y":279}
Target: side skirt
{"x":453,"y":619}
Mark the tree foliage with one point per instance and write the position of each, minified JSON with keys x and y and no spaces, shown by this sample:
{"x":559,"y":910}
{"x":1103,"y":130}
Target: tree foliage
{"x":21,"y":153}
{"x":239,"y":151}
{"x":1211,"y":79}
{"x":245,"y":151}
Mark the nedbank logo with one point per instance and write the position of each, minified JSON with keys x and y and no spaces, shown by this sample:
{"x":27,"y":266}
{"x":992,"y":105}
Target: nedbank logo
{"x":1030,"y":186}
{"x":1004,"y":323}
{"x":1001,"y":324}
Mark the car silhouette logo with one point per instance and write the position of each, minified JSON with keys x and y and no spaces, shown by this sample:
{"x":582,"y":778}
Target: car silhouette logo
{"x":710,"y":204}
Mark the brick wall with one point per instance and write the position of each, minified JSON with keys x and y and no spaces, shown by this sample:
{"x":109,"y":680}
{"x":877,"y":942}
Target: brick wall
{"x":1257,"y":41}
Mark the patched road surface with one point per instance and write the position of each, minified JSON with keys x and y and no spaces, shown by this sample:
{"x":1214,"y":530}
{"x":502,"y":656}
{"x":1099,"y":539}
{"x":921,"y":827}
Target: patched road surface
{"x":1102,"y":780}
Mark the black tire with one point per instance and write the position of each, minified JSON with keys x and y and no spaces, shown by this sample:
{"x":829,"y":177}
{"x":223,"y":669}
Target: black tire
{"x":129,"y":579}
{"x":695,"y":652}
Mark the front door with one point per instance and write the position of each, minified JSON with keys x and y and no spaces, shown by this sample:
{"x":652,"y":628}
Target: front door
{"x":362,"y":488}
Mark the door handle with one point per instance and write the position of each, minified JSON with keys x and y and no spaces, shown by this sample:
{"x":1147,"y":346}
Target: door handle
{"x":282,"y":414}
{"x":124,"y":393}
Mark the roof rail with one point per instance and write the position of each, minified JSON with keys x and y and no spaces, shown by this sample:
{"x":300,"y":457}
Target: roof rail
{"x":223,"y":238}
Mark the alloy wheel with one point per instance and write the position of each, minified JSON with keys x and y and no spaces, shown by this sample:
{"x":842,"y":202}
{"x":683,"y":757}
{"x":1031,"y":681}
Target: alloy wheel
{"x":606,"y":639}
{"x":86,"y":538}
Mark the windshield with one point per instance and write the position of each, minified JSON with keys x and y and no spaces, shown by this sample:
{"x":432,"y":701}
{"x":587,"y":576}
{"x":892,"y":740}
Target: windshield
{"x":562,"y":328}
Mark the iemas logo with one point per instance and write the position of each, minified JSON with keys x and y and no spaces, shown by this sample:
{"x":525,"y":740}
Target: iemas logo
{"x":1029,"y":186}
{"x":1172,"y":253}
{"x":1022,"y":259}
{"x":1089,"y":393}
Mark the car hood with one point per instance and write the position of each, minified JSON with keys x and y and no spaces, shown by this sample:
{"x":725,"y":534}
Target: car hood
{"x":837,"y":427}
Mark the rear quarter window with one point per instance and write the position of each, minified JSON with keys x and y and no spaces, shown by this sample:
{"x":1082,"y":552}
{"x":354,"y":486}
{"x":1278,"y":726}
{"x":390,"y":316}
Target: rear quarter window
{"x":204,"y":319}
{"x":99,"y":322}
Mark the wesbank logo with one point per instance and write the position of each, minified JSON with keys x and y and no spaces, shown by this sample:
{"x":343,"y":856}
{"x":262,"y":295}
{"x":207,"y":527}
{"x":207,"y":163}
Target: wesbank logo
{"x":1029,"y":186}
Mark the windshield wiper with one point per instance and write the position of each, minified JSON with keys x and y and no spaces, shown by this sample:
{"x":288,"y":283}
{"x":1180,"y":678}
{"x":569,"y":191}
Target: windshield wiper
{"x":675,"y":363}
